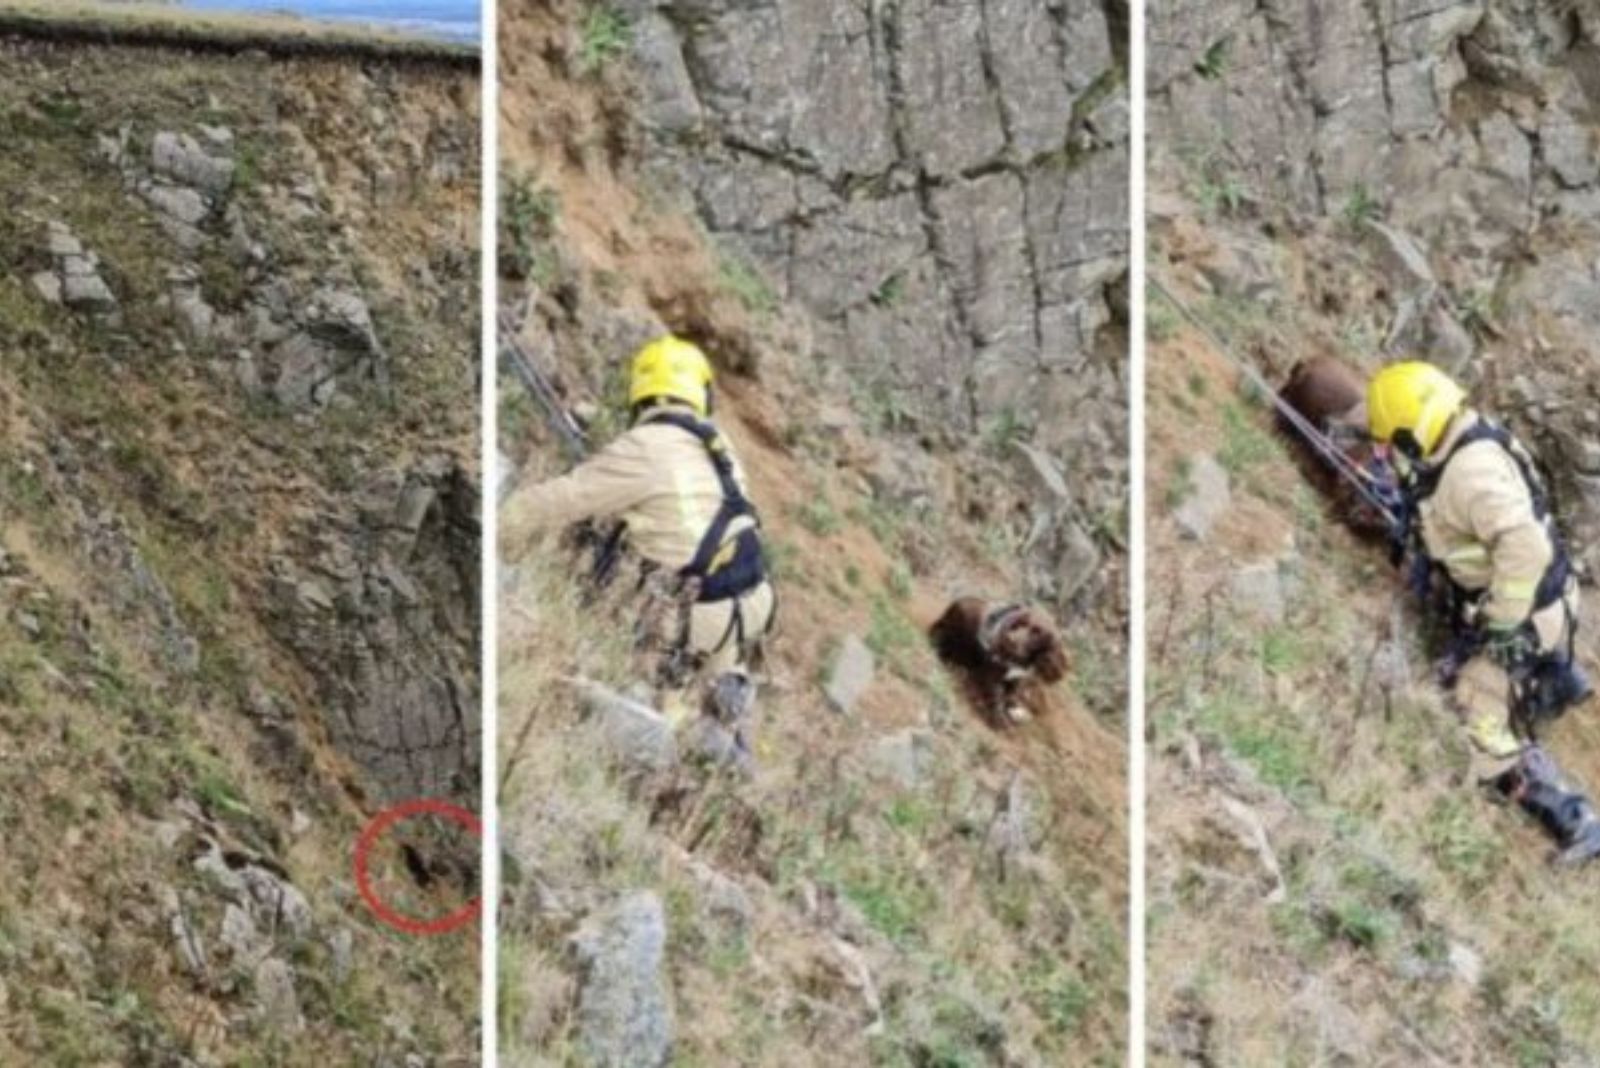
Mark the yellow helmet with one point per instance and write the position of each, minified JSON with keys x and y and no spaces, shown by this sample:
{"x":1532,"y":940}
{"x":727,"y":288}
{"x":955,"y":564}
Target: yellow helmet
{"x":671,"y":367}
{"x":1412,"y":398}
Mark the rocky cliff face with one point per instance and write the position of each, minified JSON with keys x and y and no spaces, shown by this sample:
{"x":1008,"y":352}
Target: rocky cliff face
{"x":1364,"y":181}
{"x":261,"y":275}
{"x":939,"y":192}
{"x":240,"y":534}
{"x":1469,"y":130}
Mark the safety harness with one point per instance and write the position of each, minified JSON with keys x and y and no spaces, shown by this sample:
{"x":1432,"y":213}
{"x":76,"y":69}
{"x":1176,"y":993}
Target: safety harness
{"x":1553,"y":583}
{"x":1537,"y":680}
{"x":722,"y":568}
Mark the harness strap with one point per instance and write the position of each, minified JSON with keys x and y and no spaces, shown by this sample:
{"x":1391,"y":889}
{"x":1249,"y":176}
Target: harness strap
{"x":716,"y":551}
{"x":1552,"y":584}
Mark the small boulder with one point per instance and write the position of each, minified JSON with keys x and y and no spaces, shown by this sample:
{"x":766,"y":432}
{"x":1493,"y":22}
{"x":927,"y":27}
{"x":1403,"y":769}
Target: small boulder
{"x":48,"y":286}
{"x":1466,"y":964}
{"x":239,"y":933}
{"x":275,"y":994}
{"x":62,"y":242}
{"x":904,"y":757}
{"x":178,"y":203}
{"x":1402,"y":259}
{"x":850,"y":676}
{"x":181,"y":158}
{"x":624,"y":1014}
{"x":88,"y":292}
{"x":637,"y":735}
{"x":1207,"y":500}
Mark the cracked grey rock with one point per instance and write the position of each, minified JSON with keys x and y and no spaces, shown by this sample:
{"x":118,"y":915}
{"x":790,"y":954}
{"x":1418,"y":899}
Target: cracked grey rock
{"x":351,"y":601}
{"x":276,"y":999}
{"x":624,"y":1014}
{"x":847,"y":257}
{"x":198,"y":317}
{"x":952,"y":115}
{"x":1570,"y":148}
{"x":186,"y":940}
{"x":670,"y":104}
{"x":239,"y":933}
{"x":637,"y":735}
{"x":1208,"y":498}
{"x":178,"y":203}
{"x":48,"y":286}
{"x":904,"y":758}
{"x":1506,"y":151}
{"x":181,"y":158}
{"x":61,"y":241}
{"x":850,"y":675}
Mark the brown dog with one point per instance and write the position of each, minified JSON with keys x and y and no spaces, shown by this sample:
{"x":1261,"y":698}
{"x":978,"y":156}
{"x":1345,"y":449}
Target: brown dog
{"x":1332,"y":397}
{"x":1000,"y":650}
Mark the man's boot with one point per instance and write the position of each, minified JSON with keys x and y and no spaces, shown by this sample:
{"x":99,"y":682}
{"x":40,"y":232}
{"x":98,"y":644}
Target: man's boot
{"x":1585,"y":842}
{"x":1535,"y":783}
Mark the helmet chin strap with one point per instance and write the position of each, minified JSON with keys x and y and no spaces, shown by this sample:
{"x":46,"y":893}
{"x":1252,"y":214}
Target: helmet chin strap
{"x":1406,"y":445}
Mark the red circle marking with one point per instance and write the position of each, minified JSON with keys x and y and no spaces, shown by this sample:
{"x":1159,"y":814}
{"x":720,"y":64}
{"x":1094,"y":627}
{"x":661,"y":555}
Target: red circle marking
{"x":369,"y":837}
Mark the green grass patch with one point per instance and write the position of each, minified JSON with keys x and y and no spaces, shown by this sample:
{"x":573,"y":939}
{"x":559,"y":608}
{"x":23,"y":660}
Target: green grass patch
{"x":1245,"y":444}
{"x":1161,"y":322}
{"x":891,"y":633}
{"x":1213,"y":63}
{"x":1283,"y":651}
{"x":747,"y":284}
{"x":1360,"y":207}
{"x":1360,"y":924}
{"x":528,"y":214}
{"x":819,"y":517}
{"x":899,"y":582}
{"x":605,"y":35}
{"x":1281,"y":750}
{"x":1457,"y":837}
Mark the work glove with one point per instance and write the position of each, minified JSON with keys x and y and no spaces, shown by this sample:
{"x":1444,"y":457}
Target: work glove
{"x":1514,"y":647}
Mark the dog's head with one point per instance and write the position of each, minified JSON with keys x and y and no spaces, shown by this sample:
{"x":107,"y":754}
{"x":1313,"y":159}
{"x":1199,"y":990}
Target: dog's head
{"x":1030,"y":642}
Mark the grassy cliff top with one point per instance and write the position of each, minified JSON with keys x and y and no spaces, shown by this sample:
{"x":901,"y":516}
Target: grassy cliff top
{"x":169,"y":25}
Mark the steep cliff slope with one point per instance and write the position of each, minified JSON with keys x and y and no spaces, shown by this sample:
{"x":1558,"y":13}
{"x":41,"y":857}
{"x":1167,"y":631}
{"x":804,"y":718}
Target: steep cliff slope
{"x":238,"y":541}
{"x":1328,"y":884}
{"x":897,"y":291}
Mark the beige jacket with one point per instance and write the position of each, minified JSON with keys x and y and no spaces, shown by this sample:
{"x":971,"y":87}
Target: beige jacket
{"x":657,"y":478}
{"x":1480,"y":525}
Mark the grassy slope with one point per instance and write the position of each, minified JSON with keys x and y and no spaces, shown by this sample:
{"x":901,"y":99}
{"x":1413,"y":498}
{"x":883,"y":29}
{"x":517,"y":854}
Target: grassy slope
{"x":975,"y":960}
{"x":1392,"y":863}
{"x":99,"y":741}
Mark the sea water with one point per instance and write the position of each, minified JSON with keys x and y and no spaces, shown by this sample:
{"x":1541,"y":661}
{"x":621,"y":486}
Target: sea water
{"x":454,"y":20}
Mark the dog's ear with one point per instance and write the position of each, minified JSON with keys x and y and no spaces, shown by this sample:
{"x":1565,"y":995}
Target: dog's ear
{"x":1053,"y":665}
{"x":1045,"y":651}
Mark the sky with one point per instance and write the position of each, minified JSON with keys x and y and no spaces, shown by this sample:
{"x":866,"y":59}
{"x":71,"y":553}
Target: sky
{"x":454,"y":19}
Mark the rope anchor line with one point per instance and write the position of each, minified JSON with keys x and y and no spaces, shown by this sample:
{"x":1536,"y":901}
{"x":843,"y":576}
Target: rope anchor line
{"x":1320,"y":443}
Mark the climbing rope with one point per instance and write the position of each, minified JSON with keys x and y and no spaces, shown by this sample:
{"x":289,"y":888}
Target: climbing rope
{"x":1320,"y":443}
